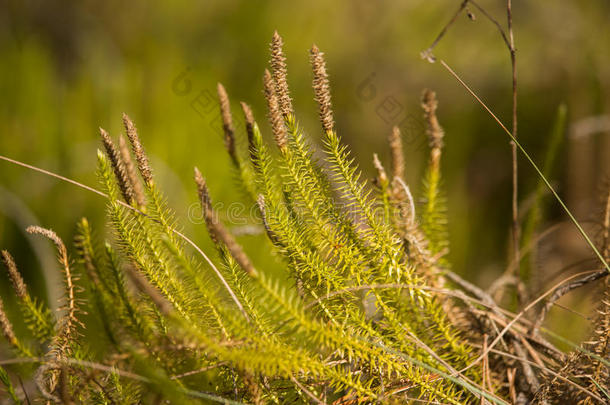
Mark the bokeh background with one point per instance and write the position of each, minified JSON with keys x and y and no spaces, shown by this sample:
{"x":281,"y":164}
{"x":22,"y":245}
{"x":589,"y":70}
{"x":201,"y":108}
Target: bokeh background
{"x":67,"y":67}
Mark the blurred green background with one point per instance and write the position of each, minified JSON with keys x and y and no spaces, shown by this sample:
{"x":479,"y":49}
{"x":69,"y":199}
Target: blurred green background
{"x":68,"y":67}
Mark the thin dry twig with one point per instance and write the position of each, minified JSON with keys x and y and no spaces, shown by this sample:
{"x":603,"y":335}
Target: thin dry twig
{"x":198,"y":371}
{"x":533,"y":164}
{"x":515,"y":175}
{"x":412,"y":233}
{"x":517,"y":317}
{"x":485,"y":369}
{"x":528,"y":372}
{"x":493,"y":20}
{"x":510,"y":374}
{"x":545,"y":369}
{"x":605,"y":243}
{"x":310,"y":394}
{"x":509,"y":40}
{"x":530,"y":377}
{"x":563,"y":290}
{"x":449,"y":368}
{"x":427,"y":54}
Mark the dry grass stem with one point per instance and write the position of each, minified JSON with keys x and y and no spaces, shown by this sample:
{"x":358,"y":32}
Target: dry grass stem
{"x":515,"y":229}
{"x":563,"y":290}
{"x":509,"y":40}
{"x":605,"y":244}
{"x":550,"y":187}
{"x":372,"y":312}
{"x":188,"y":240}
{"x":528,"y":372}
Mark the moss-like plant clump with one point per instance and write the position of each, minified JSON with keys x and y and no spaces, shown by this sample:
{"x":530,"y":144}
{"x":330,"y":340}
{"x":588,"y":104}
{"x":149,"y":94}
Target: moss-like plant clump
{"x":372,"y":313}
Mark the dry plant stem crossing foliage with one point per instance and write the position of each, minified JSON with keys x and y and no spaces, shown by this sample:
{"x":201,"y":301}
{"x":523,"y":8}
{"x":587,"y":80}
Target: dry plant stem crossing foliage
{"x":372,"y":312}
{"x":512,"y":274}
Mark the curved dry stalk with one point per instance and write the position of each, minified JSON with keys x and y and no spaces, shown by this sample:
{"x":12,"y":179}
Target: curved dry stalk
{"x":484,"y":300}
{"x":122,"y":373}
{"x":427,"y":54}
{"x":516,"y":230}
{"x":310,"y":394}
{"x":100,"y":193}
{"x":533,"y":164}
{"x":516,"y":318}
{"x":199,"y":370}
{"x":549,"y":371}
{"x":509,"y":41}
{"x":563,"y":290}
